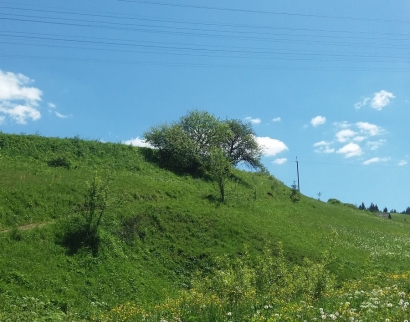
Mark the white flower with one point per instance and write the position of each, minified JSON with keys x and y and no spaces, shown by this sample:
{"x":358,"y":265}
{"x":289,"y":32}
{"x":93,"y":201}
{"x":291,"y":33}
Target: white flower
{"x":229,"y":314}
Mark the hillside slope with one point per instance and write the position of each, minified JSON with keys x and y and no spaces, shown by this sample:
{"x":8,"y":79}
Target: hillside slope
{"x":159,"y":229}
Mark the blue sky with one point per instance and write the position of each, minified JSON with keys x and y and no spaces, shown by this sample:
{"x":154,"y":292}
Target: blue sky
{"x":327,"y":82}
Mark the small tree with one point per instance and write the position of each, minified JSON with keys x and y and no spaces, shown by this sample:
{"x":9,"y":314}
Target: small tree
{"x":95,"y":204}
{"x":373,"y":207}
{"x":295,"y":194}
{"x":220,"y":169}
{"x":83,"y":230}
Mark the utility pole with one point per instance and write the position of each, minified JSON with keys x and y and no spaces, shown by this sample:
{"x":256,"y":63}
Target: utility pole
{"x":297,"y":170}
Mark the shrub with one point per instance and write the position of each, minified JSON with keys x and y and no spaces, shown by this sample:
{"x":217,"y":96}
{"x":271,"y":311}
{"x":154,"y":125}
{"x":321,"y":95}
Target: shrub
{"x":60,"y":162}
{"x":334,"y":201}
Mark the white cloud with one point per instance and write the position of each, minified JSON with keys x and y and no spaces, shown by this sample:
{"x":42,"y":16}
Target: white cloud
{"x":271,"y":147}
{"x":374,"y":145}
{"x":18,"y":101}
{"x":137,"y":142}
{"x":381,"y":99}
{"x":280,"y":161}
{"x":62,"y":116}
{"x":402,"y":162}
{"x":20,"y":113}
{"x":12,"y":88}
{"x":253,"y":121}
{"x":322,"y":143}
{"x":375,"y":160}
{"x":318,"y":120}
{"x":323,"y":147}
{"x":359,"y":138}
{"x":350,"y":150}
{"x":364,"y":102}
{"x":276,"y":119}
{"x":344,"y":135}
{"x":342,"y":125}
{"x":328,"y":150}
{"x":51,"y":105}
{"x":370,"y":129}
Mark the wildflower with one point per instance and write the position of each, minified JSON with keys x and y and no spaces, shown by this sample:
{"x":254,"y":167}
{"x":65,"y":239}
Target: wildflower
{"x":229,"y":314}
{"x":266,"y":307}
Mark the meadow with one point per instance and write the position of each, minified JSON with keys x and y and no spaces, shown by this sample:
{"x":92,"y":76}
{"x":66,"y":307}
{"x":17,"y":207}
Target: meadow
{"x":169,"y":250}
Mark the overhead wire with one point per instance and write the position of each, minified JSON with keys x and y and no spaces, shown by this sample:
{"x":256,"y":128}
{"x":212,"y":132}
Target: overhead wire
{"x":156,"y":19}
{"x":206,"y":50}
{"x":265,"y":12}
{"x":238,"y":51}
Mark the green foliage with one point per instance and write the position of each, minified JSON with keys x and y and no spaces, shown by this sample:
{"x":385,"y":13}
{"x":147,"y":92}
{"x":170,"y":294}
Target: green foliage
{"x":294,"y":194}
{"x":239,"y":144}
{"x":334,"y":201}
{"x":220,"y":169}
{"x":373,"y":208}
{"x":186,"y":145}
{"x":95,"y":203}
{"x":61,"y":162}
{"x":83,"y":231}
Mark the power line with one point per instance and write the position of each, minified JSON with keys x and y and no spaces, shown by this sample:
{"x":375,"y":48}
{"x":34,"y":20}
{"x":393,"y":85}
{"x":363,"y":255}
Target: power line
{"x":264,"y":12}
{"x":163,"y":46}
{"x":199,"y":65}
{"x":156,"y":19}
{"x":276,"y":40}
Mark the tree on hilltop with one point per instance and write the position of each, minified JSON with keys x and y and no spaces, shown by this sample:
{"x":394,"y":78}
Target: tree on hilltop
{"x":187,"y":144}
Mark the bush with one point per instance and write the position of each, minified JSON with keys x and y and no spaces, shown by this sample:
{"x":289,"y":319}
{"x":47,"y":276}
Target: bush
{"x":334,"y":201}
{"x":60,"y":162}
{"x":74,"y":235}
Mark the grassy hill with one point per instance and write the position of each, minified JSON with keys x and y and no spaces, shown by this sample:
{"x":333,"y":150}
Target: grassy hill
{"x":165,"y":238}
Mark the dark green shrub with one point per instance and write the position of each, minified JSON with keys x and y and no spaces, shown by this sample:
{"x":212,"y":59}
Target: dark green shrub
{"x":334,"y":201}
{"x":295,"y":194}
{"x":60,"y":162}
{"x":73,"y":234}
{"x":16,"y":234}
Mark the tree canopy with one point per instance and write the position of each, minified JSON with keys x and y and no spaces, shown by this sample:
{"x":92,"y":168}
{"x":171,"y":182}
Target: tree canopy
{"x":189,"y":143}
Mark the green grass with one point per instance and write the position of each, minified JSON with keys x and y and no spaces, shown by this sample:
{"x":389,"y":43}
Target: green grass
{"x":160,"y":230}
